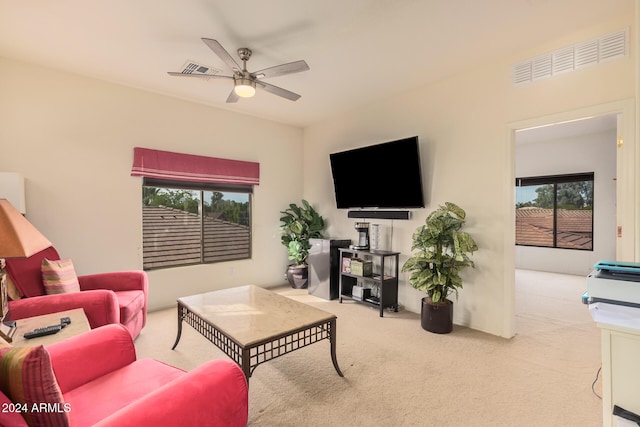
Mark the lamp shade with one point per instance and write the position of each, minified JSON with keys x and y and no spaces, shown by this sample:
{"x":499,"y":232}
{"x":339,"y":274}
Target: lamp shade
{"x":18,"y":237}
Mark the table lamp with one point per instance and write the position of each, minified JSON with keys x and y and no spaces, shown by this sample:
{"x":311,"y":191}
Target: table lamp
{"x":18,"y":239}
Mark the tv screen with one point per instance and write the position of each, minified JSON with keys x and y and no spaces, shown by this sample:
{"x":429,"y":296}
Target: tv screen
{"x":382,"y":176}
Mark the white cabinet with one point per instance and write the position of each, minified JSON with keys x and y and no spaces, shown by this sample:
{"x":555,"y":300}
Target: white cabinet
{"x":620,"y":330}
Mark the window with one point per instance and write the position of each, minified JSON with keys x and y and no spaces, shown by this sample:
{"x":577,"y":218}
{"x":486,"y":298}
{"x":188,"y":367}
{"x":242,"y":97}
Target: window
{"x":555,"y":211}
{"x":195,"y":209}
{"x":190,"y":223}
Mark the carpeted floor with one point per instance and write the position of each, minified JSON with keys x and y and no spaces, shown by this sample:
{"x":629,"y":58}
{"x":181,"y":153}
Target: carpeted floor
{"x":398,"y":374}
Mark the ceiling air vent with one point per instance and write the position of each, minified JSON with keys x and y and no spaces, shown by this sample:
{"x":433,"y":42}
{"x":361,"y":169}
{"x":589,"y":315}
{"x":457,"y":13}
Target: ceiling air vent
{"x":192,"y":67}
{"x":571,"y":58}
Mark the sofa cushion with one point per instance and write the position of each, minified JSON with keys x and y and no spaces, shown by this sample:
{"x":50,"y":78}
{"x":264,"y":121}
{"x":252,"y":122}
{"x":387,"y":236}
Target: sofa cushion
{"x":118,"y":389}
{"x":26,"y":273}
{"x":27,"y":378}
{"x":59,"y":276}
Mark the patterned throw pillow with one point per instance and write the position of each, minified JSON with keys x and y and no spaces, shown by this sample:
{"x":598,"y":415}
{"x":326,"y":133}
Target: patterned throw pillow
{"x":12,"y":290}
{"x":59,"y":276}
{"x":27,"y":378}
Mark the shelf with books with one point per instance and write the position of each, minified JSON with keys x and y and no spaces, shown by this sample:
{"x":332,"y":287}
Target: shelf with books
{"x":370,"y":277}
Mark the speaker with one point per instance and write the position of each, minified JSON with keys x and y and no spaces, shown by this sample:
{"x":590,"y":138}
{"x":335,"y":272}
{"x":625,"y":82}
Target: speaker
{"x":376,"y":214}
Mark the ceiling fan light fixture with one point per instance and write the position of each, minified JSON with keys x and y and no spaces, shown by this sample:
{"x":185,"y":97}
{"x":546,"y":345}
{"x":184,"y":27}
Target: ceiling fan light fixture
{"x":244,"y":88}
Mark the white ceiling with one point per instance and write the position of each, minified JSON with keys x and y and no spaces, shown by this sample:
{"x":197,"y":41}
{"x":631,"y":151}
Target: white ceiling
{"x":358,"y":50}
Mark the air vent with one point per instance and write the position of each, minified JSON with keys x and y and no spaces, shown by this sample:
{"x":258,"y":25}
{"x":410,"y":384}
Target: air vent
{"x":541,"y":67}
{"x":192,"y":67}
{"x":586,"y":54}
{"x":563,"y":60}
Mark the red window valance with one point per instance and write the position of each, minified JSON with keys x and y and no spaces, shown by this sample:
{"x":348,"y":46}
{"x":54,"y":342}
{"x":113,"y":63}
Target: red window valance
{"x":188,"y":167}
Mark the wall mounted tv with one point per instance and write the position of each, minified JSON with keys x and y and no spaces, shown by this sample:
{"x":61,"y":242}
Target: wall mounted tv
{"x":384,"y":175}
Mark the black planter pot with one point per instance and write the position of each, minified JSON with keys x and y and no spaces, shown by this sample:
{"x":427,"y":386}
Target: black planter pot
{"x":298,"y":276}
{"x":437,"y":317}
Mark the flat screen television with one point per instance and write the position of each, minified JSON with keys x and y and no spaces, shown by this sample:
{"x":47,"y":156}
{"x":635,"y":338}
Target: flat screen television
{"x":384,"y":175}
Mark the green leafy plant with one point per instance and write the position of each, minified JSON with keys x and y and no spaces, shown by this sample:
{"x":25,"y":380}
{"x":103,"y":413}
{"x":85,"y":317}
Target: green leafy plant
{"x":442,"y":252}
{"x":299,"y":224}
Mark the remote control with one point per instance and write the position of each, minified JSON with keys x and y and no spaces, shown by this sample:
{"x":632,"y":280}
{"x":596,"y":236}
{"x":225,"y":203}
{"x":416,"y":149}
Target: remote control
{"x":40,"y":332}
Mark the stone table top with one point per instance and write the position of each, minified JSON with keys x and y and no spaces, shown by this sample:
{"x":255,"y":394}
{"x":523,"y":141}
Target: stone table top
{"x":251,"y":314}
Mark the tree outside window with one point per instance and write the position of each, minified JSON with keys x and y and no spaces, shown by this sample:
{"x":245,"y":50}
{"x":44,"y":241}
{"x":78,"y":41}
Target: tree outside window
{"x":183,"y":226}
{"x":555,"y":211}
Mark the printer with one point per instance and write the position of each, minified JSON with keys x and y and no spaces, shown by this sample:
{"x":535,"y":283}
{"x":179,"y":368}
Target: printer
{"x":614,"y":282}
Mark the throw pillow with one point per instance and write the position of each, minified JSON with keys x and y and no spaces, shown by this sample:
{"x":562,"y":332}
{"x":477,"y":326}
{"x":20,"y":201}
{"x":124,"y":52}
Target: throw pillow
{"x":12,"y":290}
{"x":59,"y":276}
{"x":27,"y":378}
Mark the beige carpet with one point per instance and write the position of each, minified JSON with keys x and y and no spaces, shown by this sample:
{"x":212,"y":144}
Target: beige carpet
{"x":397,"y":374}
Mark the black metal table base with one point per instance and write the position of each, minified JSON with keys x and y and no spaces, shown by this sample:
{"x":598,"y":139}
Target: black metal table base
{"x":248,"y":358}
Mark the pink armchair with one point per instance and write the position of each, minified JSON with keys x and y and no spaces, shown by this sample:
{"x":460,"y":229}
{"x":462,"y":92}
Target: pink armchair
{"x":118,"y":297}
{"x":97,"y":381}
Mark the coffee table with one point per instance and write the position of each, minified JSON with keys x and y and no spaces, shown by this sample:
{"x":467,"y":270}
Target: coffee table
{"x":78,"y":325}
{"x":253,"y":325}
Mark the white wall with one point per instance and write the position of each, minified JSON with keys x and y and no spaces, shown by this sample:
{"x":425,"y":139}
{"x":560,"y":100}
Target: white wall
{"x":467,"y":156}
{"x":72,"y":139}
{"x":587,"y":153}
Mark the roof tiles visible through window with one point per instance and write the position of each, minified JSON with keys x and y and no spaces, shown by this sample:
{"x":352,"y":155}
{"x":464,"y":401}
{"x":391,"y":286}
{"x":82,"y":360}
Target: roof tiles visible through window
{"x":534,"y":227}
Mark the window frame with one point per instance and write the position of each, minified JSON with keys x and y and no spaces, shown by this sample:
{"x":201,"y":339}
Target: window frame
{"x":201,"y":187}
{"x":555,"y":180}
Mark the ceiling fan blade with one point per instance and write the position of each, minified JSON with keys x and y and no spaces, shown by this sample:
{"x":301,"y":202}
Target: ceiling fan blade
{"x":217,"y":48}
{"x":278,"y":91}
{"x":202,"y":76}
{"x":281,"y":70}
{"x":233,"y":97}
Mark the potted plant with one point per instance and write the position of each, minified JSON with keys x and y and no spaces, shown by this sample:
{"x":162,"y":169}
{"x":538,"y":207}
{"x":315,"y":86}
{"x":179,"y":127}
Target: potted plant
{"x":299,"y":224}
{"x":441,"y":253}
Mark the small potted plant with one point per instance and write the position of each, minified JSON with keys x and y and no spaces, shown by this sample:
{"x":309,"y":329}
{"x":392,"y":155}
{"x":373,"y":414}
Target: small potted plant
{"x":299,"y":224}
{"x":440,"y":251}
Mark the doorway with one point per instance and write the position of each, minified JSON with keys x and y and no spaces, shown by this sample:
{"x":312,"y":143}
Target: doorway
{"x":563,"y":223}
{"x":624,"y":227}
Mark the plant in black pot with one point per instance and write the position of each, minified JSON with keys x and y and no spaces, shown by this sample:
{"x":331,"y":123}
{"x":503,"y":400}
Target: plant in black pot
{"x":299,"y":224}
{"x":440,"y":251}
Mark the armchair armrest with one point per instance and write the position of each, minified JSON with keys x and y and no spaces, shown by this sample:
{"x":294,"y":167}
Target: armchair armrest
{"x":100,"y":306}
{"x":82,"y":358}
{"x":10,"y":418}
{"x":133,"y":280}
{"x":214,"y":394}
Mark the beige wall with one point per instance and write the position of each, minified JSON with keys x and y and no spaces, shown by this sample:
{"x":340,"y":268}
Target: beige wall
{"x":467,"y":156}
{"x":72,"y":139}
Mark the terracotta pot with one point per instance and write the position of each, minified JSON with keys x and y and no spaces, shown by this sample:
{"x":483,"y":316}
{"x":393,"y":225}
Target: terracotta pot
{"x":437,"y":317}
{"x":298,"y":276}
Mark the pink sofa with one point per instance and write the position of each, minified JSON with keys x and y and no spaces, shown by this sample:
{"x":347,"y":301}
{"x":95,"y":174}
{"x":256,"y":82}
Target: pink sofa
{"x":100,"y":383}
{"x":118,"y":297}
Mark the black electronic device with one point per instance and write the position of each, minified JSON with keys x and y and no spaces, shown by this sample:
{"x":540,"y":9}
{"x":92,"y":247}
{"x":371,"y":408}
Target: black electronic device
{"x":386,"y":175}
{"x":363,"y":236}
{"x":40,"y":332}
{"x":64,"y":321}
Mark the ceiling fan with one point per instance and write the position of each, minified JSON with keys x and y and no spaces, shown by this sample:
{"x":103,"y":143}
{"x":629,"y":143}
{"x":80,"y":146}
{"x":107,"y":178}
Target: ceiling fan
{"x":245,"y":82}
